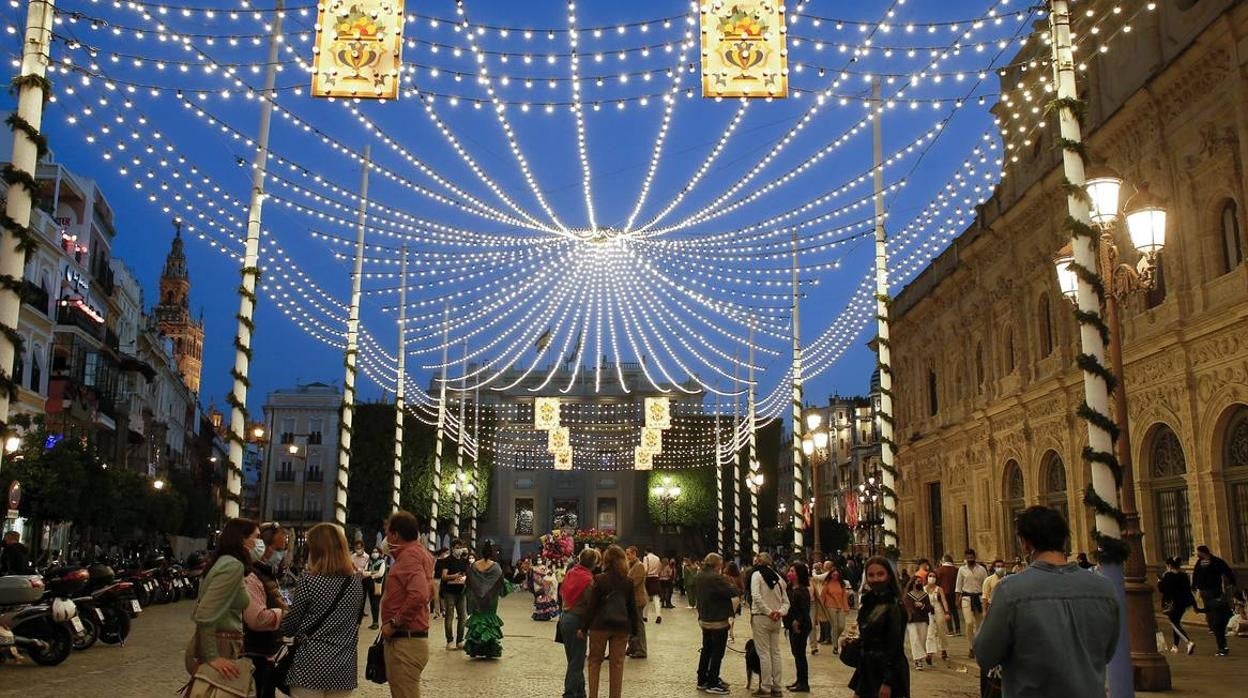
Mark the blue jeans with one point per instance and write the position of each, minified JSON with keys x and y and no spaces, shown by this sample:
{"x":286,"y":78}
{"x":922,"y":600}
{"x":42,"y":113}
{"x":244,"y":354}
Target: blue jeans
{"x":574,"y":649}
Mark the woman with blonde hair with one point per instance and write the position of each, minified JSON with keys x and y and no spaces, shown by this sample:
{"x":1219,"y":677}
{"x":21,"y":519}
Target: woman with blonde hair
{"x":324,"y":618}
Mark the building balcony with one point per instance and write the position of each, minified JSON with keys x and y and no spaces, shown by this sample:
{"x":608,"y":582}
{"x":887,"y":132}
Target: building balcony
{"x":284,"y":476}
{"x":36,"y":297}
{"x":73,"y":316}
{"x":315,"y":476}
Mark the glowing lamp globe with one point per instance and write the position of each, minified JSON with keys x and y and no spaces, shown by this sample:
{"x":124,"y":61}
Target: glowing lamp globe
{"x":1103,"y":188}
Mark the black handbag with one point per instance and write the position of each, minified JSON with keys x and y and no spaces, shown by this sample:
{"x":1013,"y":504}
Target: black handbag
{"x":375,"y":662}
{"x":281,"y":674}
{"x":851,"y":652}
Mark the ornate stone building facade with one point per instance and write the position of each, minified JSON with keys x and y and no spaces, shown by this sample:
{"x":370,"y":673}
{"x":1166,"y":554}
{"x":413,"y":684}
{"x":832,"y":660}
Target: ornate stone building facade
{"x":173,"y":315}
{"x":985,"y":343}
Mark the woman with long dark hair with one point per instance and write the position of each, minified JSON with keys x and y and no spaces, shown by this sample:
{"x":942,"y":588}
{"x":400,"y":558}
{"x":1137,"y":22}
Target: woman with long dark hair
{"x":882,"y":671}
{"x":1176,"y":598}
{"x":612,"y":617}
{"x":797,"y":622}
{"x":223,"y":597}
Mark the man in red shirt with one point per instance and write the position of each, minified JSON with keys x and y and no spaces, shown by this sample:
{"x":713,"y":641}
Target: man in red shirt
{"x":572,"y":592}
{"x":947,"y":577}
{"x":405,"y":606}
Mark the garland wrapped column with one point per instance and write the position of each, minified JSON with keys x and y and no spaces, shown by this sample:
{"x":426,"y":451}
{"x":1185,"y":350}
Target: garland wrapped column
{"x":720,"y":543}
{"x":16,"y":239}
{"x":436,"y":489}
{"x":400,"y":388}
{"x":1098,"y":381}
{"x":888,"y":447}
{"x":250,"y":275}
{"x":475,"y":478}
{"x":738,"y":540}
{"x":349,"y":359}
{"x":457,"y":487}
{"x":799,"y":487}
{"x":751,"y":425}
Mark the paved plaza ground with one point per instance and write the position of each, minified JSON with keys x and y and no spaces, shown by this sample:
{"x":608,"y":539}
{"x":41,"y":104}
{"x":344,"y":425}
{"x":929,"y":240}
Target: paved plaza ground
{"x":532,"y":665}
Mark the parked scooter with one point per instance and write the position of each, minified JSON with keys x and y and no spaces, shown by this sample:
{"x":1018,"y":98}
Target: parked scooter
{"x":43,"y":630}
{"x":61,"y":585}
{"x":105,"y":607}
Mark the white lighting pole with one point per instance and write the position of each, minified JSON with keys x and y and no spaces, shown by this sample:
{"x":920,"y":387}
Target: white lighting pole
{"x":888,"y":480}
{"x":738,"y":535}
{"x":753,"y":441}
{"x":250,"y":274}
{"x":399,"y":388}
{"x":436,"y":490}
{"x":15,"y":236}
{"x":353,"y":338}
{"x":1092,"y":330}
{"x":457,"y":493}
{"x":799,"y":487}
{"x":720,"y":541}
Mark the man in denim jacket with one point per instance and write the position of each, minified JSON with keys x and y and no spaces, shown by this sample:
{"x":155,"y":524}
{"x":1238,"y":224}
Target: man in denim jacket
{"x":1054,"y":626}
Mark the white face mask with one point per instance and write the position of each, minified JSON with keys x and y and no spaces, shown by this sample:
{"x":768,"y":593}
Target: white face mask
{"x":1000,"y":571}
{"x":376,"y":555}
{"x":257,"y":550}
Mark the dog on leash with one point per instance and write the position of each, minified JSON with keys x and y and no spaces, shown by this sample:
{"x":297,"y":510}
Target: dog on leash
{"x":753,"y":665}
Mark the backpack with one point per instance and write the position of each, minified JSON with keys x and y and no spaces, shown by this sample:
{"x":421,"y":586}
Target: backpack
{"x":613,"y":614}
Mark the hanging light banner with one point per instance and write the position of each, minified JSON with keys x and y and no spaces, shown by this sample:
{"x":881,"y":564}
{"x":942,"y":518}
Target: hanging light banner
{"x":658,"y":412}
{"x":744,"y":50}
{"x":558,"y":440}
{"x":643,"y":459}
{"x":652,"y":439}
{"x":358,"y":49}
{"x":563,"y":460}
{"x":545,"y":413}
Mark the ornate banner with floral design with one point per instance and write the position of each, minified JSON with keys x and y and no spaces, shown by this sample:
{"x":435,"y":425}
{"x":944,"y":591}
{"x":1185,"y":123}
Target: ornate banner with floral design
{"x":744,"y":53}
{"x":658,"y":412}
{"x":652,"y":439}
{"x":545,"y":413}
{"x":558,"y":439}
{"x":643,"y":459}
{"x":563,"y":459}
{"x":358,"y":49}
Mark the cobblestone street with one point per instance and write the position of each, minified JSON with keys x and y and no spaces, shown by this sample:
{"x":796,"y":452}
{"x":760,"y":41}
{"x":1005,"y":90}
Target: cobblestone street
{"x":532,"y":665}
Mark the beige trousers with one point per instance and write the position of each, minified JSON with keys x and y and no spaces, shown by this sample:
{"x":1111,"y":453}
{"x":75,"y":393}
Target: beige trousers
{"x":406,"y":658}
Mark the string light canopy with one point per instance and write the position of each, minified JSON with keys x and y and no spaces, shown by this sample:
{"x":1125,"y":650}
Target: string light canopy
{"x":561,"y":184}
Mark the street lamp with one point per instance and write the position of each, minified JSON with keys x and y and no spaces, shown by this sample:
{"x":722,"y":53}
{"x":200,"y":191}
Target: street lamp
{"x":870,"y":495}
{"x":666,"y":493}
{"x":1145,"y":223}
{"x":462,"y":485}
{"x":158,"y":484}
{"x":815,"y":446}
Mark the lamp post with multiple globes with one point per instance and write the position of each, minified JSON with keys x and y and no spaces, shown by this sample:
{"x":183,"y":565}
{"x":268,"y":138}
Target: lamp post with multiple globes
{"x":667,"y":494}
{"x":1145,"y":223}
{"x":815,"y":446}
{"x":463,"y":485}
{"x":870,"y":503}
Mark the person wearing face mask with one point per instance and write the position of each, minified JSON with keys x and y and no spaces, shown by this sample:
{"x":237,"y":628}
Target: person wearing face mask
{"x":969,"y":590}
{"x":1054,"y":627}
{"x":882,"y":671}
{"x":375,"y":575}
{"x":990,"y":584}
{"x":262,"y":636}
{"x":769,"y":603}
{"x":454,"y":603}
{"x":218,"y":614}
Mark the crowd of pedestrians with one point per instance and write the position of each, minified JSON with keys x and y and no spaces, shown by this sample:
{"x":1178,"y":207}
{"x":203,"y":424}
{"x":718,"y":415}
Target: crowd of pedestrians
{"x":1046,"y":628}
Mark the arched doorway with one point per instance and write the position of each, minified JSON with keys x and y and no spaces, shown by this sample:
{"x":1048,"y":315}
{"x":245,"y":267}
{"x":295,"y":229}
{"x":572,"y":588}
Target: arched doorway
{"x":1167,"y":467}
{"x":1013,"y":502}
{"x":1053,"y":484}
{"x":1234,"y":451}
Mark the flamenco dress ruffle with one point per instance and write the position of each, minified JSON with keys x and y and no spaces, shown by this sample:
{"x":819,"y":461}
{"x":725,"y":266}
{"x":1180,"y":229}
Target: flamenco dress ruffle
{"x":484,"y":636}
{"x":545,"y":609}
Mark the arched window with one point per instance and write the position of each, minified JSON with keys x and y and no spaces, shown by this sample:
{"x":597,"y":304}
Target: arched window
{"x":933,"y":394}
{"x":1053,"y":480}
{"x":1013,"y":502}
{"x":19,"y":366}
{"x":283,"y":506}
{"x":1044,"y":317}
{"x":1235,"y":467}
{"x":36,"y":369}
{"x":1232,"y":245}
{"x":1168,"y":468}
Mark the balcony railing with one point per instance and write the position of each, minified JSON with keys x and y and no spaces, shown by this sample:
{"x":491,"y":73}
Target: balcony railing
{"x":285,"y":476}
{"x":69,"y":315}
{"x":315,"y":476}
{"x":35,"y":297}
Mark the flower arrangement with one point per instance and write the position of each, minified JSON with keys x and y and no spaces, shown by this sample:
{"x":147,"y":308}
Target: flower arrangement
{"x":595,"y":538}
{"x":557,"y":547}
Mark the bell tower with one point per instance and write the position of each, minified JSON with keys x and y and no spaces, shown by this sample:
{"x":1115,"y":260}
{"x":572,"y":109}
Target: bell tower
{"x":173,"y":315}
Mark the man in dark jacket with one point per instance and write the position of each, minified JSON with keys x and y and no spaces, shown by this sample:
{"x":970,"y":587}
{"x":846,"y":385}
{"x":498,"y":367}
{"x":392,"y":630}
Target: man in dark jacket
{"x":1211,"y":577}
{"x":715,"y":596}
{"x":14,"y":558}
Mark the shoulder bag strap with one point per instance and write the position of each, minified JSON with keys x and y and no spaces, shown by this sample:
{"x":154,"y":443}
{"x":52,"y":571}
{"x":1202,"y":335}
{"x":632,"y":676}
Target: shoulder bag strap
{"x":319,"y":621}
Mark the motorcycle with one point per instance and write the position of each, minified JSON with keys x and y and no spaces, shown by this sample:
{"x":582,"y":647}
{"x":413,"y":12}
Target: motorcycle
{"x":61,"y":585}
{"x":106,"y":606}
{"x":43,"y":630}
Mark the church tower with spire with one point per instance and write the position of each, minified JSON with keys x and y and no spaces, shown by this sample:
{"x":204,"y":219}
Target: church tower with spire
{"x":173,"y":314}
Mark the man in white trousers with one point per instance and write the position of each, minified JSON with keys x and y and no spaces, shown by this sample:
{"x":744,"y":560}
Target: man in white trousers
{"x":769,"y":602}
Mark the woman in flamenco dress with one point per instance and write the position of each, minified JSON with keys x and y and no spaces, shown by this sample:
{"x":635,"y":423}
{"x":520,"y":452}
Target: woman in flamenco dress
{"x":484,"y":638}
{"x":545,"y":605}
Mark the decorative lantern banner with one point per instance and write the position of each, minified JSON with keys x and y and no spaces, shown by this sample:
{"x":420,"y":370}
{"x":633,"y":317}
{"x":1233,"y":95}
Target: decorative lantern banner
{"x":744,"y":52}
{"x":643,"y":459}
{"x":658,"y":412}
{"x":358,"y":49}
{"x":652,"y":439}
{"x":563,"y":460}
{"x":545,"y":413}
{"x":558,"y":439}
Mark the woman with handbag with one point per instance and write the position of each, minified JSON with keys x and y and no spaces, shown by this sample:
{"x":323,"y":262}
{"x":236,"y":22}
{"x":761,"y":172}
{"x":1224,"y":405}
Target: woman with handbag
{"x":486,"y":585}
{"x":212,"y":657}
{"x":611,"y":617}
{"x":878,"y":655}
{"x":324,"y":620}
{"x":798,"y":623}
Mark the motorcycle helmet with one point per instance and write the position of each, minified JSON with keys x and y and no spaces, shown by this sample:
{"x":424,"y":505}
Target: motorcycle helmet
{"x":63,"y":610}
